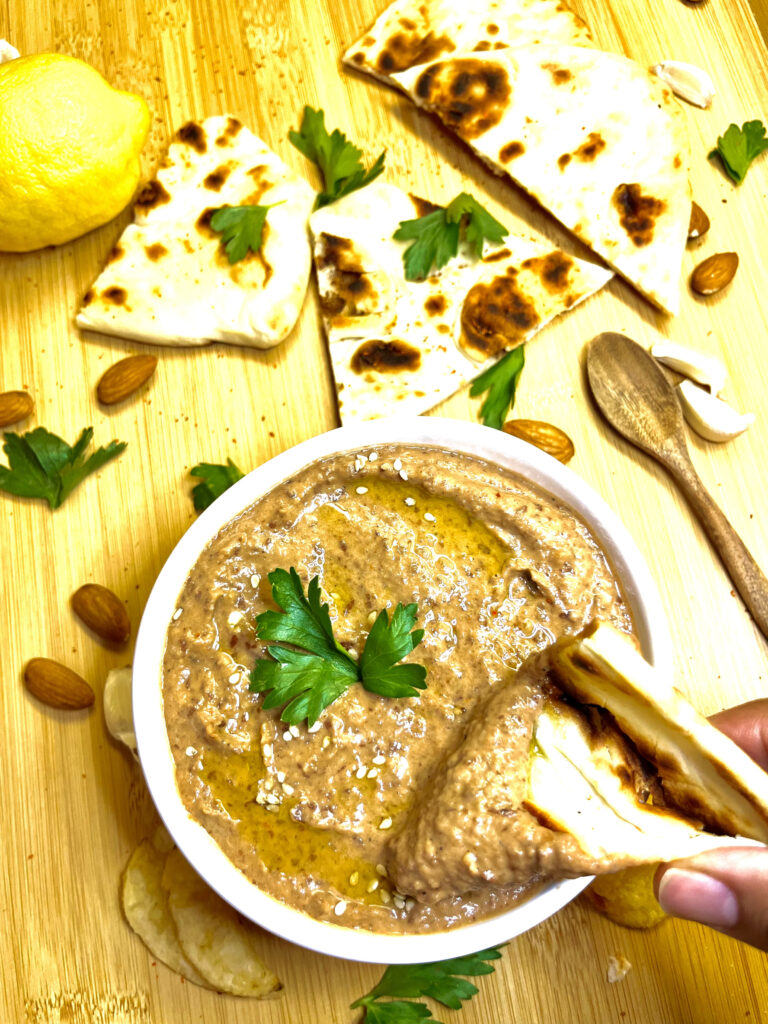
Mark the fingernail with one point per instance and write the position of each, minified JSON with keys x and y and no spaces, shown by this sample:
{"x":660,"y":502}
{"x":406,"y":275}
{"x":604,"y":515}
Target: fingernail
{"x":698,"y":897}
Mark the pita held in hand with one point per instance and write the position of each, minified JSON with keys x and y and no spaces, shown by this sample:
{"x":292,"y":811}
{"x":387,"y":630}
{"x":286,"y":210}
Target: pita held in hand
{"x":592,"y":136}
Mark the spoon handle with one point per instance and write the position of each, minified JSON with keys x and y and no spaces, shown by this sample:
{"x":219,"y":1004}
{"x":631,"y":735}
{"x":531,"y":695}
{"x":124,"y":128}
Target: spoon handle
{"x":749,"y":578}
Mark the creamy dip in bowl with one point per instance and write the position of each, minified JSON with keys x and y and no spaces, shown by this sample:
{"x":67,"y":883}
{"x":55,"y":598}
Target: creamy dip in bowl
{"x":501,"y":547}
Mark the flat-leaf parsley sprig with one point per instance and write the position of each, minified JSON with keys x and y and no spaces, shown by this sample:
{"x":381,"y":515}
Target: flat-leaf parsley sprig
{"x":241,"y":228}
{"x":338,"y":159}
{"x":500,"y":381}
{"x":214,"y":480}
{"x":738,"y":147}
{"x":314,"y":669}
{"x":435,"y":236}
{"x":440,"y":981}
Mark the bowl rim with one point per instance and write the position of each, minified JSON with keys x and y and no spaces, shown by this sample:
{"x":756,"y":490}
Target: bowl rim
{"x":154,"y":749}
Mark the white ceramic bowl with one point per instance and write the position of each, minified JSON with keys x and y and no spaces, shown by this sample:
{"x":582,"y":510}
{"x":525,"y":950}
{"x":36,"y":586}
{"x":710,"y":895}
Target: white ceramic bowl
{"x":154,"y":750}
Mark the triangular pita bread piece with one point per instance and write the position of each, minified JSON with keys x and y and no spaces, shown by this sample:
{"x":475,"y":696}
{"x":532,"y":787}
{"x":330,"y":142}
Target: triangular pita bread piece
{"x":400,"y":347}
{"x":596,"y":139}
{"x":588,"y":762}
{"x":411,"y":32}
{"x":169,"y":281}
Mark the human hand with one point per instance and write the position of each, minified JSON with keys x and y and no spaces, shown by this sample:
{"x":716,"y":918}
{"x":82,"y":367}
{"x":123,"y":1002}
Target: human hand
{"x":726,"y":889}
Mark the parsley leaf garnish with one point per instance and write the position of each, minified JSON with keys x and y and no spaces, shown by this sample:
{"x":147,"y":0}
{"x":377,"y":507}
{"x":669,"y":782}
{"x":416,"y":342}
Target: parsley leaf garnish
{"x":309,"y":679}
{"x":215,"y":480}
{"x":339,"y":161}
{"x":241,"y":228}
{"x":738,"y":147}
{"x":500,"y":381}
{"x":439,"y":981}
{"x":435,"y":236}
{"x":41,"y":465}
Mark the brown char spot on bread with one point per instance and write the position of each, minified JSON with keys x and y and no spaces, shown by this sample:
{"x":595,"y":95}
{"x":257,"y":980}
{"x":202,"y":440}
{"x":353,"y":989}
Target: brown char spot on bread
{"x":469,"y":95}
{"x":497,"y":315}
{"x":115,"y":295}
{"x":492,"y":29}
{"x":423,"y":206}
{"x":559,"y":74}
{"x":563,"y":160}
{"x":216,"y":179}
{"x":89,"y":296}
{"x":385,"y":356}
{"x":494,"y":257}
{"x":552,"y":270}
{"x":116,"y":252}
{"x":156,"y":251}
{"x":404,"y":49}
{"x":203,"y":222}
{"x":337,"y":252}
{"x":510,"y":151}
{"x":193,"y":134}
{"x":435,"y":305}
{"x":638,"y":213}
{"x":231,"y":130}
{"x":153,"y":194}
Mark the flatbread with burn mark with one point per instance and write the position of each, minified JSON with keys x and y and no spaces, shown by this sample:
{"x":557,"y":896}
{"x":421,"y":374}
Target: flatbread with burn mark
{"x":400,"y":347}
{"x":168,"y":280}
{"x":596,"y":139}
{"x":410,"y":32}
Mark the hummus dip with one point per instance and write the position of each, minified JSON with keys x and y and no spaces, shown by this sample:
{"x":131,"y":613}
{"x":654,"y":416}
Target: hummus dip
{"x":499,"y":569}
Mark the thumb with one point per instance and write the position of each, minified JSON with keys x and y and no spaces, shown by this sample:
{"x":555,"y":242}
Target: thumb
{"x":726,"y":889}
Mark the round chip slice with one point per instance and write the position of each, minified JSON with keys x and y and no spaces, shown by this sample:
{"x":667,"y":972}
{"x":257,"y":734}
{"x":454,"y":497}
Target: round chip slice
{"x":212,"y":935}
{"x":627,"y":897}
{"x":145,"y":905}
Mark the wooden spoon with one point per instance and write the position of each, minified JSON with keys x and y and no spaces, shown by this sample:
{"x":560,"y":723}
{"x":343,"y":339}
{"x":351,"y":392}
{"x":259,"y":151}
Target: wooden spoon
{"x":635,"y":396}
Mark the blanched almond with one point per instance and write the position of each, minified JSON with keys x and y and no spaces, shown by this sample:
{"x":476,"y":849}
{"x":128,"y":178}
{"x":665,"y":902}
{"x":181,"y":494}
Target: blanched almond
{"x":103,"y":612}
{"x":56,"y":685}
{"x":714,"y":273}
{"x":548,"y":438}
{"x":14,"y":406}
{"x":125,"y":377}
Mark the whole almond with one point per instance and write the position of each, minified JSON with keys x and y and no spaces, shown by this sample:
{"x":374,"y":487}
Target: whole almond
{"x":103,"y":612}
{"x":56,"y":685}
{"x":125,"y":377}
{"x":549,"y":438}
{"x":699,"y":222}
{"x":14,"y":406}
{"x":714,"y":273}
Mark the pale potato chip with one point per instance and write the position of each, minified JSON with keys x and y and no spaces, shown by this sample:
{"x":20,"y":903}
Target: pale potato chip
{"x":212,"y":935}
{"x":118,"y":711}
{"x":145,"y":905}
{"x":627,"y":897}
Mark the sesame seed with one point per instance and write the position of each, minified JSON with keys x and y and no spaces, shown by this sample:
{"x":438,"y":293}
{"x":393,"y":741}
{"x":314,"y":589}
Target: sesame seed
{"x":398,"y":464}
{"x":372,"y":618}
{"x":387,"y":823}
{"x":326,"y":741}
{"x":294,"y":730}
{"x":269,"y":785}
{"x":340,"y":907}
{"x":373,"y":456}
{"x":399,"y":902}
{"x":177,"y":613}
{"x":373,"y":773}
{"x":360,"y":773}
{"x":255,"y":580}
{"x":234,"y":618}
{"x":410,"y":903}
{"x":381,"y":870}
{"x":373,"y":886}
{"x":429,"y":517}
{"x":379,"y":759}
{"x":315,"y":727}
{"x":361,"y":490}
{"x":410,"y":501}
{"x":288,"y":790}
{"x":266,"y":750}
{"x":272,"y":798}
{"x":234,"y":677}
{"x":287,"y":736}
{"x":191,"y":751}
{"x":403,"y":475}
{"x":281,"y":776}
{"x":354,"y":878}
{"x":385,"y":897}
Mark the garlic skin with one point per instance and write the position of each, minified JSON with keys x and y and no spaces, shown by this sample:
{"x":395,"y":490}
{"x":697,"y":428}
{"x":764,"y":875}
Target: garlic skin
{"x":7,"y":52}
{"x":709,"y":416}
{"x":704,"y":369}
{"x":686,"y":81}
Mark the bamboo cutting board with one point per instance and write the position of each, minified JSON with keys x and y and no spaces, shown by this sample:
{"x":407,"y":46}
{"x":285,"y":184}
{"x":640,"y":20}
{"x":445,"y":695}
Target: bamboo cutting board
{"x":72,"y":804}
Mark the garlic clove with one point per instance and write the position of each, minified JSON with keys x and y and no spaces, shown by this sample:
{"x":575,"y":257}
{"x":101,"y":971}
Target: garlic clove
{"x":7,"y":52}
{"x":709,"y":416}
{"x":686,"y":81}
{"x":704,"y":369}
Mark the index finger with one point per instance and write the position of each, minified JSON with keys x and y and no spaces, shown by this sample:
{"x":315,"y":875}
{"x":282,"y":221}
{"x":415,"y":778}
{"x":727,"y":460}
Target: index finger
{"x":747,"y":725}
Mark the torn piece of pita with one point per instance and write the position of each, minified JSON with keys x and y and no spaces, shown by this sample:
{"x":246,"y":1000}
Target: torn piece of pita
{"x":596,"y":139}
{"x":411,"y":32}
{"x":169,"y":281}
{"x":400,"y":347}
{"x":589,"y":761}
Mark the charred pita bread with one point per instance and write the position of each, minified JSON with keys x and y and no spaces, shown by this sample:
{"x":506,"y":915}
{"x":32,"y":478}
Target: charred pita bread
{"x":169,"y":281}
{"x":595,"y":138}
{"x":410,"y":32}
{"x":617,"y":770}
{"x":400,"y":347}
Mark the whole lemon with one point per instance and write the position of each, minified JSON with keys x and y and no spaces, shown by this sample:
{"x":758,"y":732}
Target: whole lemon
{"x":69,"y":150}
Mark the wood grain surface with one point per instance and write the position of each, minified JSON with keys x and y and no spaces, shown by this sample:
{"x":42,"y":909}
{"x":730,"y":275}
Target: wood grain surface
{"x":72,"y":803}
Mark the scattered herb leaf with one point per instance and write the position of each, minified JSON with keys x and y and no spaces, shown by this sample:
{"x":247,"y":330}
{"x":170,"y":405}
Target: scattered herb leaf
{"x":738,"y":147}
{"x":500,"y":381}
{"x":215,"y":480}
{"x":241,"y":228}
{"x":440,"y":981}
{"x":435,"y":236}
{"x":338,"y":159}
{"x":307,"y":680}
{"x":41,"y":465}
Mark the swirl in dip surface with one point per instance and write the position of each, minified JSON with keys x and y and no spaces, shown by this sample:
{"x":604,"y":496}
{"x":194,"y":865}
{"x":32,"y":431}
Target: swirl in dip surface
{"x":498,"y":568}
